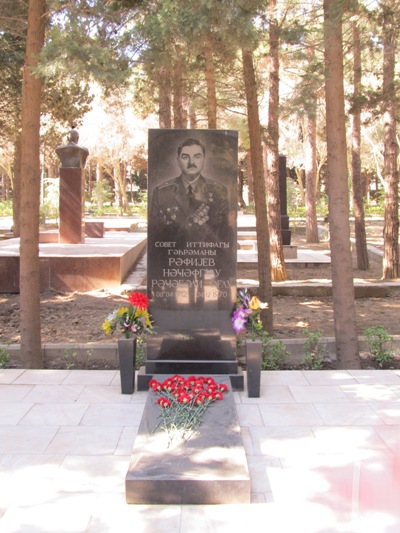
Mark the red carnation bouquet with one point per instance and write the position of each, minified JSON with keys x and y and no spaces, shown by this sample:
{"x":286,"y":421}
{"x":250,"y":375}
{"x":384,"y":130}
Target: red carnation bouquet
{"x":184,"y":401}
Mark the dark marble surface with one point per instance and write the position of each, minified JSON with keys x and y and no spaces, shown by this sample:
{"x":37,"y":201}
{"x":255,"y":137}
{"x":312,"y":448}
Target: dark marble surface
{"x":210,"y":468}
{"x":192,"y":251}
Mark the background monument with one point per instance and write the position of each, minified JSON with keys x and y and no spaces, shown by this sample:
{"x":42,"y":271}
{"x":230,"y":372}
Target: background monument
{"x":73,"y":159}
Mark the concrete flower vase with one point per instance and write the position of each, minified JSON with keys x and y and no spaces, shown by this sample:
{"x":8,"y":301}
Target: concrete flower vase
{"x":127,"y":362}
{"x":253,"y":364}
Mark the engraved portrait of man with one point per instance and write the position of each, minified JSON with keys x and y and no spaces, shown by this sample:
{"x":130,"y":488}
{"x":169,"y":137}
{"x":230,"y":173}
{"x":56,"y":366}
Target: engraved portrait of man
{"x":190,"y":206}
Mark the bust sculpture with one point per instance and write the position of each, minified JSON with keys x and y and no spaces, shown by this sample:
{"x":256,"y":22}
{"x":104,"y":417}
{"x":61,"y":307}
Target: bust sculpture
{"x":71,"y":155}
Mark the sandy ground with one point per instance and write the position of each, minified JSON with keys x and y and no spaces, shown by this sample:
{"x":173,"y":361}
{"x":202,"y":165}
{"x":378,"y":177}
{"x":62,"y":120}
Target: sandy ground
{"x":77,"y":317}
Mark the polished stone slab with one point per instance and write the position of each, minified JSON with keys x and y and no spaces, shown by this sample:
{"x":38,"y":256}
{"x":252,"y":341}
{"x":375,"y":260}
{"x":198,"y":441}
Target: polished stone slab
{"x":71,"y":206}
{"x":94,"y":264}
{"x":192,"y":250}
{"x":210,"y":468}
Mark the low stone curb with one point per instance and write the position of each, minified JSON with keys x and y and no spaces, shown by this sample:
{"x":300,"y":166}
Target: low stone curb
{"x":107,"y":352}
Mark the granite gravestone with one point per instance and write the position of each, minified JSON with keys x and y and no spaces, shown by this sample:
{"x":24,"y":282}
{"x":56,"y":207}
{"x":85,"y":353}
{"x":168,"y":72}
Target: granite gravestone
{"x":192,"y":251}
{"x":73,"y":159}
{"x":286,"y":232}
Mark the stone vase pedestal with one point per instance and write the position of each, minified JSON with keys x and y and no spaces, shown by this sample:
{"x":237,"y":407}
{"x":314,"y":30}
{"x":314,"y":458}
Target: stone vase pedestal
{"x":253,"y":363}
{"x":127,"y":362}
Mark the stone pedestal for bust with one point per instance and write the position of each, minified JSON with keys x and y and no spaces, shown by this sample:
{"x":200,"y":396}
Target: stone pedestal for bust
{"x":71,"y":206}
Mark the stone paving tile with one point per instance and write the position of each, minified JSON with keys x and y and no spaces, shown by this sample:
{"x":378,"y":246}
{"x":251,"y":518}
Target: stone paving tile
{"x":25,"y":440}
{"x":72,"y":440}
{"x":290,"y":415}
{"x":54,"y":414}
{"x":323,"y":451}
{"x":108,"y":415}
{"x":10,"y":374}
{"x":12,"y":393}
{"x":328,"y":377}
{"x":346,"y":414}
{"x":41,"y":377}
{"x":315,"y":393}
{"x":12,"y":413}
{"x":371,"y":392}
{"x":51,"y":394}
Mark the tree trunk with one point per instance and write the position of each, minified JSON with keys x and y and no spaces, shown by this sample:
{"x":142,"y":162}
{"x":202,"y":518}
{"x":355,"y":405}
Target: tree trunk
{"x":31,"y":349}
{"x":310,"y":163}
{"x":310,"y":160}
{"x":358,"y":189}
{"x":391,"y":225}
{"x":264,"y":261}
{"x":180,"y":119}
{"x":240,"y":199}
{"x":17,"y":186}
{"x":300,"y":174}
{"x":192,"y":117}
{"x":121,"y":199}
{"x":342,"y":280}
{"x":249,"y":177}
{"x":210,"y":80}
{"x":164,"y":98}
{"x":87,"y":185}
{"x":99,"y":185}
{"x":272,"y":159}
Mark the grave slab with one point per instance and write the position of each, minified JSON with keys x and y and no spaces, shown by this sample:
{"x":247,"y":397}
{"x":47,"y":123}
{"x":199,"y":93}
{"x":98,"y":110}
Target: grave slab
{"x":210,"y":468}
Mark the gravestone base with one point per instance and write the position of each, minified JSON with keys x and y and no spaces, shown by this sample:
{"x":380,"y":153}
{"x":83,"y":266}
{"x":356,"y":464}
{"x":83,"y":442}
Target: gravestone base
{"x":209,"y":468}
{"x":95,"y":230}
{"x":236,"y":376}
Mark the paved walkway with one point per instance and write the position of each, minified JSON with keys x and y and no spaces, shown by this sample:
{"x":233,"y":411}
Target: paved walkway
{"x":323,"y":448}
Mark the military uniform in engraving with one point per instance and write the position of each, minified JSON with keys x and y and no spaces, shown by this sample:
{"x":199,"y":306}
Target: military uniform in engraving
{"x":189,"y":226}
{"x":198,"y":214}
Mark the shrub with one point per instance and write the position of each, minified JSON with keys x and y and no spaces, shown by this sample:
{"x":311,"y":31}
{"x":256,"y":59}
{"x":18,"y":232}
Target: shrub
{"x":4,"y":358}
{"x":6,"y":208}
{"x":273,"y":355}
{"x":380,"y":344}
{"x":315,"y":351}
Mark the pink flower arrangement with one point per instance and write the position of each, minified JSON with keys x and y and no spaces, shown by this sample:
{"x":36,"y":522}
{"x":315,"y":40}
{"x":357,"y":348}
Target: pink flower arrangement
{"x":246,"y":316}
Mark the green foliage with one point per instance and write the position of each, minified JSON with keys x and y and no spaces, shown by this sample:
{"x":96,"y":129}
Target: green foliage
{"x":102,"y":194}
{"x":66,"y":100}
{"x":6,"y":208}
{"x":49,"y":208}
{"x":4,"y":358}
{"x":299,"y":211}
{"x":377,"y":209}
{"x":77,"y":358}
{"x":274,"y":354}
{"x":112,"y":210}
{"x":315,"y":351}
{"x":13,"y":16}
{"x":380,"y":344}
{"x":140,"y":353}
{"x":47,"y":211}
{"x":140,"y":205}
{"x":249,"y":209}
